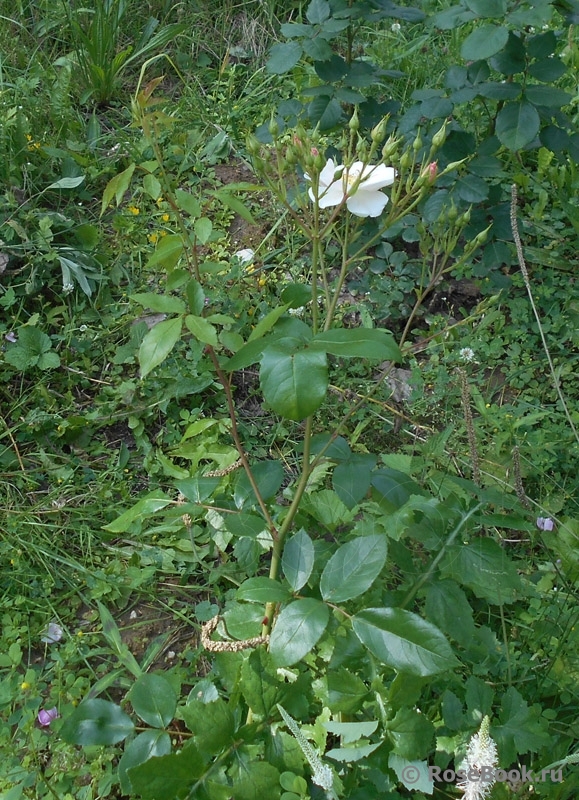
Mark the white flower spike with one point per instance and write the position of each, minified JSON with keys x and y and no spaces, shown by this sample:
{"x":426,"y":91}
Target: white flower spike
{"x":479,"y":767}
{"x":358,"y":184}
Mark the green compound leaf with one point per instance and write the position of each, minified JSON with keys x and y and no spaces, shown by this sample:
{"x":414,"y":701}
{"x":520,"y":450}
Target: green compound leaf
{"x":404,"y":641}
{"x":96,"y":722}
{"x":353,"y":568}
{"x":297,"y":629}
{"x":293,"y":383}
{"x":154,"y":700}
{"x":298,"y":560}
{"x":158,"y":343}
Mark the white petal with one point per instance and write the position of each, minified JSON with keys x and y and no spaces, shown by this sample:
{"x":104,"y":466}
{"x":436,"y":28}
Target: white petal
{"x":332,"y":195}
{"x":377,"y":177}
{"x":367,"y":204}
{"x":328,"y":172}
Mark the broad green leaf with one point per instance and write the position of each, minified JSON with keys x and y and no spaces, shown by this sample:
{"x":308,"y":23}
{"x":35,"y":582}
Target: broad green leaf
{"x":161,"y":303}
{"x":186,"y":202}
{"x":202,"y":330}
{"x":326,"y":507}
{"x":293,"y":383}
{"x":31,"y":350}
{"x":266,"y":324}
{"x":499,"y":90}
{"x":154,"y":700}
{"x":149,"y":744}
{"x":472,"y":189}
{"x":404,"y":641}
{"x":484,"y":42}
{"x":488,"y":8}
{"x":197,"y":489}
{"x":351,"y":731}
{"x":203,"y":229}
{"x":325,"y":111}
{"x":358,"y":343}
{"x":262,"y":590}
{"x":195,"y":297}
{"x":242,"y":620}
{"x":351,"y":479}
{"x":448,"y":608}
{"x":354,"y":752}
{"x":260,"y":684}
{"x":67,"y":183}
{"x":268,"y":475}
{"x":412,"y":733}
{"x":247,"y":355}
{"x":484,"y":567}
{"x":517,"y":124}
{"x":549,"y":96}
{"x":212,"y":723}
{"x":283,"y":57}
{"x":244,"y":524}
{"x":254,"y":780}
{"x":394,"y":488}
{"x":169,"y":776}
{"x":298,"y":560}
{"x":317,"y":49}
{"x":414,"y":775}
{"x":96,"y":722}
{"x":346,"y":691}
{"x":168,"y":252}
{"x":117,"y":187}
{"x":158,"y":343}
{"x":512,"y":59}
{"x":143,"y":508}
{"x":521,"y":729}
{"x":318,"y":11}
{"x":297,"y":629}
{"x":152,"y":186}
{"x":353,"y":568}
{"x":296,"y":294}
{"x":547,"y":69}
{"x":542,"y":45}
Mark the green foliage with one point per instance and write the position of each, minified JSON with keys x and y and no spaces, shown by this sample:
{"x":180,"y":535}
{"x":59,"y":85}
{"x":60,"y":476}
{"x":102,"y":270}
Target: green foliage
{"x":96,"y":35}
{"x":278,"y":451}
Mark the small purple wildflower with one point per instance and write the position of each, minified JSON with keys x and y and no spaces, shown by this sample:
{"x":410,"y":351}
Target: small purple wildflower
{"x":545,"y":523}
{"x":11,"y":337}
{"x":52,"y":634}
{"x":46,"y":715}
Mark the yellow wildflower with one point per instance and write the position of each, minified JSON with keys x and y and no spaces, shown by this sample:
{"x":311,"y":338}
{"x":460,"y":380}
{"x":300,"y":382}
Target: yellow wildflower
{"x":134,"y":210}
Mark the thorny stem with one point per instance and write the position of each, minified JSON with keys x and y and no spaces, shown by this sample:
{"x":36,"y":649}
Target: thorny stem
{"x":238,"y":443}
